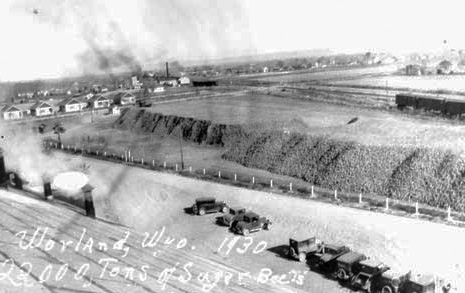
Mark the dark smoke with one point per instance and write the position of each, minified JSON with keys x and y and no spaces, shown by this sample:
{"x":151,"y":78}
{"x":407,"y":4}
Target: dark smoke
{"x":150,"y":33}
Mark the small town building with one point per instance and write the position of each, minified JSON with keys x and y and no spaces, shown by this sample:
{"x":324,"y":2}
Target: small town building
{"x":41,"y":108}
{"x":124,"y":98}
{"x":159,"y":89}
{"x":71,"y":105}
{"x":184,"y":80}
{"x":99,"y":102}
{"x":114,"y":110}
{"x":11,"y":112}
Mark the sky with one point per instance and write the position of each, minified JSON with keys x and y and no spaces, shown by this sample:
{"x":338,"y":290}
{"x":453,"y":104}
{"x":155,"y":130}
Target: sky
{"x":74,"y":37}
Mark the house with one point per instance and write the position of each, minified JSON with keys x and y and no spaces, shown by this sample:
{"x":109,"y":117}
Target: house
{"x":265,"y":69}
{"x":41,"y":109}
{"x":71,"y":105}
{"x":114,"y":110}
{"x":124,"y":98}
{"x":184,"y":80}
{"x":168,"y":81}
{"x":413,"y":69}
{"x":159,"y":89}
{"x":99,"y":102}
{"x":11,"y":112}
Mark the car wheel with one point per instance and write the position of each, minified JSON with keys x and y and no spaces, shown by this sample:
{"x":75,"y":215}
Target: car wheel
{"x":202,"y":212}
{"x":267,"y":226}
{"x":245,"y":232}
{"x":386,"y":289}
{"x":225,"y":210}
{"x":341,"y":274}
{"x":302,"y":256}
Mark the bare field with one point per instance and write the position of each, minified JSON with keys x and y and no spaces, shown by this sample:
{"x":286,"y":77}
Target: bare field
{"x":374,"y":127}
{"x":428,"y":82}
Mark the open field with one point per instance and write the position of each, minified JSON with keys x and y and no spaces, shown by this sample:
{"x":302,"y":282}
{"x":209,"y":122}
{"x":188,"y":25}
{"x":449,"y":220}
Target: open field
{"x":374,"y":127}
{"x":160,"y":199}
{"x":427,"y":82}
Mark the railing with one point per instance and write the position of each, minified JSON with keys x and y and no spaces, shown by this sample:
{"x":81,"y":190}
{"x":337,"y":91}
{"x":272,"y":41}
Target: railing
{"x":276,"y":185}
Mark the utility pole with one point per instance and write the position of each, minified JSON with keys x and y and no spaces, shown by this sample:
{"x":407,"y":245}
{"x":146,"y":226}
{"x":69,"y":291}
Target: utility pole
{"x":180,"y":148}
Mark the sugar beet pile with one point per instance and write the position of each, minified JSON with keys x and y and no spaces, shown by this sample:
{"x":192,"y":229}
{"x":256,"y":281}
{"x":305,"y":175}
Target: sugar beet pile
{"x":431,"y":176}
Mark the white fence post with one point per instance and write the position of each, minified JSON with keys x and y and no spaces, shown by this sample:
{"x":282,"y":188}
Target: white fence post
{"x":176,"y":167}
{"x":271,"y":183}
{"x":219,"y":174}
{"x":164,"y":165}
{"x":235,"y":177}
{"x":335,"y":194}
{"x":290,"y":186}
{"x":190,"y":168}
{"x":105,"y":154}
{"x":387,"y":203}
{"x":129,"y":154}
{"x":253,"y":180}
{"x":153,"y":163}
{"x":449,"y":214}
{"x":360,"y":199}
{"x":142,"y":161}
{"x":312,"y":194}
{"x":203,"y":171}
{"x":417,"y":213}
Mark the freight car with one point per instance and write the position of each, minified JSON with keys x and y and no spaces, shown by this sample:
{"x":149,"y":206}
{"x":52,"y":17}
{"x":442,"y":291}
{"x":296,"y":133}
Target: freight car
{"x":450,"y":107}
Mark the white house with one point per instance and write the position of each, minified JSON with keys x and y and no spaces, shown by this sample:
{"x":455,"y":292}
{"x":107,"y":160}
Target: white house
{"x":41,"y":109}
{"x":184,"y":80}
{"x":159,"y":89}
{"x":11,"y":113}
{"x":71,"y":105}
{"x":124,"y":98}
{"x":99,"y":102}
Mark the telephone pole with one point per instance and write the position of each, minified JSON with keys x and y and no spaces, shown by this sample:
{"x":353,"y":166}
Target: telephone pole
{"x":180,"y":148}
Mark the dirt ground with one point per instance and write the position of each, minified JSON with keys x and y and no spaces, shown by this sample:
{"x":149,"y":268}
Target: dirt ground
{"x":148,"y":200}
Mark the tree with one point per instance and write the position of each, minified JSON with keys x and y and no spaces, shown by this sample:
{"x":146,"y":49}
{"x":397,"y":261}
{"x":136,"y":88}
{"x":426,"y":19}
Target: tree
{"x":58,"y":129}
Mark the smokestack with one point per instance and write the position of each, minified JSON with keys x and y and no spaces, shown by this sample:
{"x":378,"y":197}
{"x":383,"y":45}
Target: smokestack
{"x":3,"y":175}
{"x":167,"y":71}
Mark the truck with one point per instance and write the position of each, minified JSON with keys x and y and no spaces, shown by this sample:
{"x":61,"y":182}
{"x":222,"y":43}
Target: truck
{"x":251,"y":222}
{"x":325,"y":259}
{"x":346,"y":265}
{"x":393,"y":282}
{"x":235,"y":215}
{"x":369,"y":272}
{"x":204,"y":205}
{"x":300,"y":250}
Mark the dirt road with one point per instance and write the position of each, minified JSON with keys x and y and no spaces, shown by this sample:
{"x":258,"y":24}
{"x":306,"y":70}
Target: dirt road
{"x":148,"y":201}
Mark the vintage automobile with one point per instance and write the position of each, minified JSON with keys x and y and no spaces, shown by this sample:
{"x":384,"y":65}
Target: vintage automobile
{"x":368,"y":272}
{"x":325,"y":259}
{"x":346,"y":265}
{"x":299,"y":250}
{"x":251,"y":222}
{"x":393,"y":282}
{"x":235,"y":215}
{"x":204,"y":205}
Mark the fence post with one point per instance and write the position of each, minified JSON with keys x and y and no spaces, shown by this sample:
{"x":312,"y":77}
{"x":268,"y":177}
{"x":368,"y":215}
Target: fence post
{"x":271,"y":183}
{"x":335,"y":194}
{"x":449,"y":215}
{"x":142,"y":161}
{"x":176,"y":167}
{"x":203,"y":171}
{"x":153,"y":163}
{"x":290,"y":186}
{"x":253,"y":180}
{"x":74,"y":148}
{"x":360,"y":199}
{"x":97,"y":153}
{"x":105,"y":154}
{"x":164,"y":165}
{"x":416,"y":209}
{"x":387,"y":203}
{"x":190,"y":168}
{"x":219,"y":174}
{"x":235,"y":177}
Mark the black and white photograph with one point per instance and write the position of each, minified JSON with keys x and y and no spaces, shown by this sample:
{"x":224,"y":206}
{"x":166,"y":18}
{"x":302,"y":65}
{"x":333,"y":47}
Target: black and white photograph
{"x":246,"y":146}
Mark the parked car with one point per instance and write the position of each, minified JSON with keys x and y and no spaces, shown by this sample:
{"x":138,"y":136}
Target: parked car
{"x":251,"y":222}
{"x":204,"y":205}
{"x":325,"y":259}
{"x":393,"y":282}
{"x":299,"y":250}
{"x":235,"y":215}
{"x":368,"y":273}
{"x":346,"y":265}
